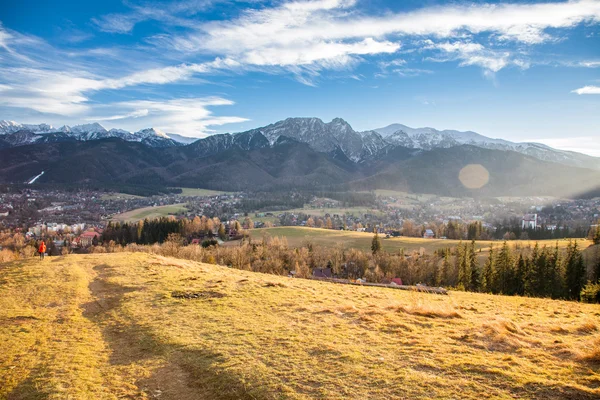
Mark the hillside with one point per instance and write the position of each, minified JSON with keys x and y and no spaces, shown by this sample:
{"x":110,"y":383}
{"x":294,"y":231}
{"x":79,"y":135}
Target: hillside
{"x":119,"y":325}
{"x":290,"y":164}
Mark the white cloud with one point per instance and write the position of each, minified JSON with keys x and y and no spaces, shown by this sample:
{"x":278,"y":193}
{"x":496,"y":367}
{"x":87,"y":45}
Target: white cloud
{"x":587,"y":90}
{"x":583,"y":144}
{"x":329,"y":20}
{"x":469,"y":53}
{"x":133,"y":114}
{"x":191,"y":117}
{"x":171,"y":13}
{"x":590,"y":64}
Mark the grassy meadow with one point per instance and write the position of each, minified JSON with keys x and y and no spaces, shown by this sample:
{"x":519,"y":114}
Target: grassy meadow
{"x":191,"y":192}
{"x":149,"y":212}
{"x":140,"y":326}
{"x":298,"y":236}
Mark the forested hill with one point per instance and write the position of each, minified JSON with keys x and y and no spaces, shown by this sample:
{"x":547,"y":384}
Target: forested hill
{"x":288,"y":163}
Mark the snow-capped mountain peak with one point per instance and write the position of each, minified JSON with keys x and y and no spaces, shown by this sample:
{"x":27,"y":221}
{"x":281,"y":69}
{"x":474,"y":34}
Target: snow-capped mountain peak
{"x":150,"y":132}
{"x":7,"y":127}
{"x":89,"y":128}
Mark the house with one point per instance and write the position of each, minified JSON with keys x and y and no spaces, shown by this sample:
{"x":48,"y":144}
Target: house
{"x":322,"y":273}
{"x":397,"y":281}
{"x":428,"y":234}
{"x":530,"y":221}
{"x":87,"y":238}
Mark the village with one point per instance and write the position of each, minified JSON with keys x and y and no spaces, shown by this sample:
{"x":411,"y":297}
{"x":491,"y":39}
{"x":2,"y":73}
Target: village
{"x":77,"y":219}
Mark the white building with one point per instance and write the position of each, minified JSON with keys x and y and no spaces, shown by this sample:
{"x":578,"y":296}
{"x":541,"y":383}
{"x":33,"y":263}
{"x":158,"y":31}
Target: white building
{"x":530,"y":221}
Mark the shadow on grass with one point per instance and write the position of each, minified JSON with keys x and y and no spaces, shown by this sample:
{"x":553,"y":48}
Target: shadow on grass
{"x":540,"y":391}
{"x":26,"y":390}
{"x":189,"y":373}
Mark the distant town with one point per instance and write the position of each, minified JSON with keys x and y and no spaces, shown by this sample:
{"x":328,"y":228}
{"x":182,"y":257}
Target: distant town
{"x":78,"y":219}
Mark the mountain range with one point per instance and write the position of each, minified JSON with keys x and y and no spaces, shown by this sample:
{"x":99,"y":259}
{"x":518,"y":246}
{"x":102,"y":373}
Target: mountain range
{"x":293,"y":153}
{"x":335,"y":136}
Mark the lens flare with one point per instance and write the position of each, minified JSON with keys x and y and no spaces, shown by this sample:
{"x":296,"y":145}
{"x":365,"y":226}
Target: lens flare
{"x":474,"y":176}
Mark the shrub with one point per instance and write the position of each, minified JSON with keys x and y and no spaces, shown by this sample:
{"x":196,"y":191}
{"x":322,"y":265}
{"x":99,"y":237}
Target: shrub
{"x":209,"y":242}
{"x":591,"y":293}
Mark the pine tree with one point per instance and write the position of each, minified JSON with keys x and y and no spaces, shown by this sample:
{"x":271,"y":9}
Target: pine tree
{"x":555,"y":275}
{"x":574,"y":271}
{"x":464,"y":275}
{"x":520,"y":275}
{"x":473,"y":268}
{"x":376,"y":244}
{"x":487,"y":278}
{"x":503,"y":270}
{"x":596,"y":237}
{"x":532,"y":283}
{"x":442,"y":273}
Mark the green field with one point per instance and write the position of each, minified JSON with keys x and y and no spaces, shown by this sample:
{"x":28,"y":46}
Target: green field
{"x":191,"y":192}
{"x":320,"y":212}
{"x":298,"y":236}
{"x":119,"y":196}
{"x":141,"y":326}
{"x":150,"y":213}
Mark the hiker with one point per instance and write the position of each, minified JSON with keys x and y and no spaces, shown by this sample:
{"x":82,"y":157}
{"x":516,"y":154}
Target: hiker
{"x":42,"y":250}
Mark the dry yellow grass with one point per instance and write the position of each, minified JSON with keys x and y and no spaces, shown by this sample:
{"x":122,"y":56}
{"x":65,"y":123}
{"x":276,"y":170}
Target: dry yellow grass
{"x":149,"y":212}
{"x":298,"y":236}
{"x":107,"y":326}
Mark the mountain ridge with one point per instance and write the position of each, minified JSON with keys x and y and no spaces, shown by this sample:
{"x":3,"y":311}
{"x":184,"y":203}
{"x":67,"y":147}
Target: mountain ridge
{"x":334,"y":137}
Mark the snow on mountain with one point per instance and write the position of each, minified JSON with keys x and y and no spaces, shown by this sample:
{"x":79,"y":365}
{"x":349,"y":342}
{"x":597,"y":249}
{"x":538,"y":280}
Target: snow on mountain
{"x":337,"y":138}
{"x":429,"y":138}
{"x":182,"y":139}
{"x":150,"y":132}
{"x":89,"y":128}
{"x":321,"y":136}
{"x":16,"y":134}
{"x":7,"y":127}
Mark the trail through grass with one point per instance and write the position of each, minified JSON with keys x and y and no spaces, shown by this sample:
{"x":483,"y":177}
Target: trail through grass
{"x":133,"y":325}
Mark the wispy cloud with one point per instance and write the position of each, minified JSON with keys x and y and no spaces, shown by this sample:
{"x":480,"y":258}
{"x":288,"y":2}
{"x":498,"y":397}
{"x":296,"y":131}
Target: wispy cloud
{"x":582,"y":144}
{"x":469,"y":53}
{"x":171,"y":13}
{"x":191,"y":117}
{"x":587,"y":90}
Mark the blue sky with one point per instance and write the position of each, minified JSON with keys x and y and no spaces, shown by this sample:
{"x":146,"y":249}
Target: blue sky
{"x":515,"y":70}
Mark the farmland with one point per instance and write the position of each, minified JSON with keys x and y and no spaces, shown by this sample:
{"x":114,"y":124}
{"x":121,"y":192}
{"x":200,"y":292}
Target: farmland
{"x":133,"y":325}
{"x":298,"y":236}
{"x":149,"y":212}
{"x":191,"y":192}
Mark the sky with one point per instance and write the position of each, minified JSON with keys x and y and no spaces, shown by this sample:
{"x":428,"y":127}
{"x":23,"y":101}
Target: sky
{"x":521,"y":71}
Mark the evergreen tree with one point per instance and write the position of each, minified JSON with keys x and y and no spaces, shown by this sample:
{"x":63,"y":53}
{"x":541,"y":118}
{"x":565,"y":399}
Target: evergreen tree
{"x":520,"y":275}
{"x":504,"y":270}
{"x":473,"y":268}
{"x":376,"y":244}
{"x":442,"y":272}
{"x":464,"y":275}
{"x":532,"y":283}
{"x":574,"y":271}
{"x":555,"y":274}
{"x":489,"y":272}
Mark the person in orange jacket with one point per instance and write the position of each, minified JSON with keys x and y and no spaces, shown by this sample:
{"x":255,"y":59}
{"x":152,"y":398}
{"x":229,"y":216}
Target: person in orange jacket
{"x":42,"y":250}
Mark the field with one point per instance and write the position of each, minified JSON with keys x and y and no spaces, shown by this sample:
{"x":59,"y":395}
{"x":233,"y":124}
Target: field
{"x":119,"y":196}
{"x":297,"y":236}
{"x":318,"y":212}
{"x":138,"y":326}
{"x":149,"y":212}
{"x":190,"y":192}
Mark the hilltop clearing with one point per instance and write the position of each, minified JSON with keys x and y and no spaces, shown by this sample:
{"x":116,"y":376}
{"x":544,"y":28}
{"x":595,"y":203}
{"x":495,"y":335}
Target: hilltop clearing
{"x":133,"y":325}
